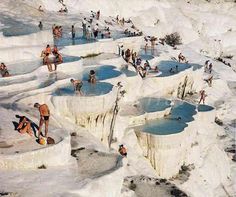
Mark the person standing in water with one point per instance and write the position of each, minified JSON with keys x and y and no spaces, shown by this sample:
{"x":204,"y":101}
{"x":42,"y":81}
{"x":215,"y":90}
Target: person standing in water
{"x":40,"y":25}
{"x":77,"y":84}
{"x":44,"y":118}
{"x":84,"y":23}
{"x":73,"y":31}
{"x":95,"y":31}
{"x":92,"y":77}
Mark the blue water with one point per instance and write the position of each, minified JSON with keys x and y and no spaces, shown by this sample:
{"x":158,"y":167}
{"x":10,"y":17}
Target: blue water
{"x":128,"y":73}
{"x":102,"y":72}
{"x":151,"y":52}
{"x":146,"y":57}
{"x":165,"y":66}
{"x":171,"y":124}
{"x":51,"y":78}
{"x":66,"y":38}
{"x":204,"y":108}
{"x":149,"y":104}
{"x":88,"y":89}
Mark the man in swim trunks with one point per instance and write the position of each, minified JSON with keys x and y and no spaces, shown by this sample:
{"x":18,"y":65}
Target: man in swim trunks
{"x":77,"y":85}
{"x":44,"y":118}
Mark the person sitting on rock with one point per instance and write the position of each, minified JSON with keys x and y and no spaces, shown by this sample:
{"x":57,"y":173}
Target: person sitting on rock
{"x":122,"y":150}
{"x":92,"y":77}
{"x":46,"y":51}
{"x":24,"y":126}
{"x":40,"y":9}
{"x":55,"y":50}
{"x":4,"y":71}
{"x":77,"y":85}
{"x":58,"y":59}
{"x":146,"y":67}
{"x":182,"y":58}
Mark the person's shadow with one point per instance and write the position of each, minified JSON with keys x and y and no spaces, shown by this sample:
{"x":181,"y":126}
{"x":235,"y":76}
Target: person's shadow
{"x":33,"y":125}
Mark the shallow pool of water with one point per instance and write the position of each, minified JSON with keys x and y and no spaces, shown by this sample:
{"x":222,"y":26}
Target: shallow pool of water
{"x":151,"y":52}
{"x":166,"y":66}
{"x":204,"y":108}
{"x":146,"y":105}
{"x":149,"y":104}
{"x":128,"y":73}
{"x":181,"y":114}
{"x":102,"y":72}
{"x":146,"y":57}
{"x":67,"y":40}
{"x":88,"y":89}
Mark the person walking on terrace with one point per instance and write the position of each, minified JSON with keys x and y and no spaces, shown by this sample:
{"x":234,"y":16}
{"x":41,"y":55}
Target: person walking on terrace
{"x":44,"y":118}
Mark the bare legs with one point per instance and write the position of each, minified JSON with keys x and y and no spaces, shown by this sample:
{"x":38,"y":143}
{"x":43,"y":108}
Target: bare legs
{"x":41,"y":122}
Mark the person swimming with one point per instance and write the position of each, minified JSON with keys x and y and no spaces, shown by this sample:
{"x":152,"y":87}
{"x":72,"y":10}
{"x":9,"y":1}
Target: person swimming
{"x":92,"y":77}
{"x":77,"y":84}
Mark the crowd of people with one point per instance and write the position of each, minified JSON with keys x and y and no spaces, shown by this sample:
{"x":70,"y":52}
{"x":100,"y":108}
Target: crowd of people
{"x":152,"y":40}
{"x":91,"y":30}
{"x":142,"y":67}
